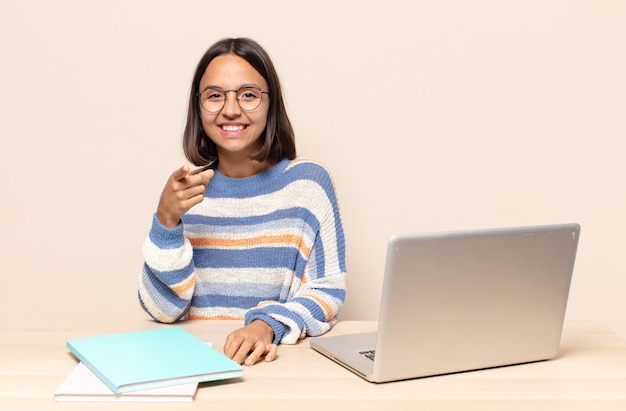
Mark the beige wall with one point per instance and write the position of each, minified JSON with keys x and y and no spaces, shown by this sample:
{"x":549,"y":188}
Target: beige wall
{"x":432,"y":115}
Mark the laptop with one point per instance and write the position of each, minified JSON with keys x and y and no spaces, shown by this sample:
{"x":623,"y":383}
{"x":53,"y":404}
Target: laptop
{"x":464,"y":300}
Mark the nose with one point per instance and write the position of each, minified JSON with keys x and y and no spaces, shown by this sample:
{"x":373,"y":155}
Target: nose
{"x":231,"y":105}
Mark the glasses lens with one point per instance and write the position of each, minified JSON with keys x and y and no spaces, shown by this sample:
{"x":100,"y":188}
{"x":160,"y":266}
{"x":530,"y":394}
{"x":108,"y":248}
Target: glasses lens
{"x":249,"y":98}
{"x":212,"y":100}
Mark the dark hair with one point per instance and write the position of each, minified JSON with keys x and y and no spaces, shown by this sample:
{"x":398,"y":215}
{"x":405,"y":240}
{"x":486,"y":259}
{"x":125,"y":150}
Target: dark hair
{"x":278,"y":139}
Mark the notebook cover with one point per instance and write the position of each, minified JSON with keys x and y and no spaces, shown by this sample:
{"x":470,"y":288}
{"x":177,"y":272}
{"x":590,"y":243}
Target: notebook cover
{"x":150,"y":359}
{"x":82,"y":385}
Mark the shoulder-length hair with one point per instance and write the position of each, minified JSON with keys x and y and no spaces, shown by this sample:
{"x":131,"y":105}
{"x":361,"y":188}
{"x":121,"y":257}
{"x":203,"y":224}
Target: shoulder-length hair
{"x":277,"y":141}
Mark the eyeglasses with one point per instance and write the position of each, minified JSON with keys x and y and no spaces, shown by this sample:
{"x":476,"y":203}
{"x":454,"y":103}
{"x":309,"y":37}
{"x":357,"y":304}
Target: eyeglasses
{"x":248,"y":97}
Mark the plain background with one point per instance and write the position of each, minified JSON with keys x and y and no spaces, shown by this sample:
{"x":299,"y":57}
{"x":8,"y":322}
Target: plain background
{"x":432,"y":116}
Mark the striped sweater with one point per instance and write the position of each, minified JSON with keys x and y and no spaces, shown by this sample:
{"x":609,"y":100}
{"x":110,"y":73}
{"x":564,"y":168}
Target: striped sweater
{"x":268,"y":247}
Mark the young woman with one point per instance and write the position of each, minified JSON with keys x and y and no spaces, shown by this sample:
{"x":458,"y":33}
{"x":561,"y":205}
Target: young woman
{"x":258,"y":235}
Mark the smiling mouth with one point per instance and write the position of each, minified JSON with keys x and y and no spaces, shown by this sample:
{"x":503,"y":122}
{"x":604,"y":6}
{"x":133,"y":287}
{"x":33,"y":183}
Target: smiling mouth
{"x":233,"y":129}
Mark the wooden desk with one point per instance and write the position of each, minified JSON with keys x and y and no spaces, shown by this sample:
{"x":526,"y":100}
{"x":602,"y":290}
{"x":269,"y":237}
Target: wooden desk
{"x":590,"y":374}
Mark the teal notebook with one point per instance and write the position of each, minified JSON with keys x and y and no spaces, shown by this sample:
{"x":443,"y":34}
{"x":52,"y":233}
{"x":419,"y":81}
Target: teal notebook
{"x":142,"y":360}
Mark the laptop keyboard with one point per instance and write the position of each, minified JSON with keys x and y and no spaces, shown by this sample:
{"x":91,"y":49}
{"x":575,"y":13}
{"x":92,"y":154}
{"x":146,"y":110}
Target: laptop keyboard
{"x":369,"y":354}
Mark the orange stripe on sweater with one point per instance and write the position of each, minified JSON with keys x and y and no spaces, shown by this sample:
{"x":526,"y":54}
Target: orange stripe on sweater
{"x":252,"y":242}
{"x":212,"y":317}
{"x":186,"y":285}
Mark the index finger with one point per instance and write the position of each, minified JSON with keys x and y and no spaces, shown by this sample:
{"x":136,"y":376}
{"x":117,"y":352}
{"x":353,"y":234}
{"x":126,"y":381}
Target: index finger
{"x":180,"y":173}
{"x":242,"y":352}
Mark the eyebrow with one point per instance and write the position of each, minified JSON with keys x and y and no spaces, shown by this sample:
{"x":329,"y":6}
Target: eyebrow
{"x":212,"y":87}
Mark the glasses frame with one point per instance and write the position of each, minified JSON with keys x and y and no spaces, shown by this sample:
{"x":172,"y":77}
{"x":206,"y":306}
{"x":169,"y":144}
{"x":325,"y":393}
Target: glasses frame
{"x":245,"y":86}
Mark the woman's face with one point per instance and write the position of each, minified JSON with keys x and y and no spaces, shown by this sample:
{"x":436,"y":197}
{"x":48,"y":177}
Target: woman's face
{"x":232,"y":129}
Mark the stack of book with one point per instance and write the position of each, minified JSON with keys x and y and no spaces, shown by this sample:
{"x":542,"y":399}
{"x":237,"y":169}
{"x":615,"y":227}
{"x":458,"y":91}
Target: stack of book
{"x":164,"y":364}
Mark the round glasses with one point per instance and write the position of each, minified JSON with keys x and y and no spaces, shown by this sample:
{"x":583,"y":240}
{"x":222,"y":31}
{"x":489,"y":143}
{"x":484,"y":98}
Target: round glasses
{"x":248,"y":97}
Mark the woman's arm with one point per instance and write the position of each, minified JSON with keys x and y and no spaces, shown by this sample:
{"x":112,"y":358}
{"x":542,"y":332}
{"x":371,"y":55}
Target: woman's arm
{"x":316,"y":298}
{"x":167,"y":280}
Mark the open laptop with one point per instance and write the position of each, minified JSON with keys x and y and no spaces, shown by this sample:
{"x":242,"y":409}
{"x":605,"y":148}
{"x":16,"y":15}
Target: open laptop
{"x":464,"y":300}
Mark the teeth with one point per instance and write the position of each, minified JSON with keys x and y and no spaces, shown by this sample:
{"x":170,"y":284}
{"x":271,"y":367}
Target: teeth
{"x":232,"y":128}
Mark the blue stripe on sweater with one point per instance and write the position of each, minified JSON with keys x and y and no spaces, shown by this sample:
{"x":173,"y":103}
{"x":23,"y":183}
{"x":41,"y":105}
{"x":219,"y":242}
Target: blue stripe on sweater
{"x":260,"y":257}
{"x":285,"y":216}
{"x":218,"y":300}
{"x":156,"y":287}
{"x":271,"y":310}
{"x":165,"y":238}
{"x":270,"y":181}
{"x":174,"y":276}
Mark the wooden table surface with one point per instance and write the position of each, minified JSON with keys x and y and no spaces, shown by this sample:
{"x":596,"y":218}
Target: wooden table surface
{"x":589,"y":374}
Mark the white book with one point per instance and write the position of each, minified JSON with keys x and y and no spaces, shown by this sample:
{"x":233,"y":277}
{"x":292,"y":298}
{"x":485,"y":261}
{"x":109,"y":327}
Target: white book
{"x":83,"y":385}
